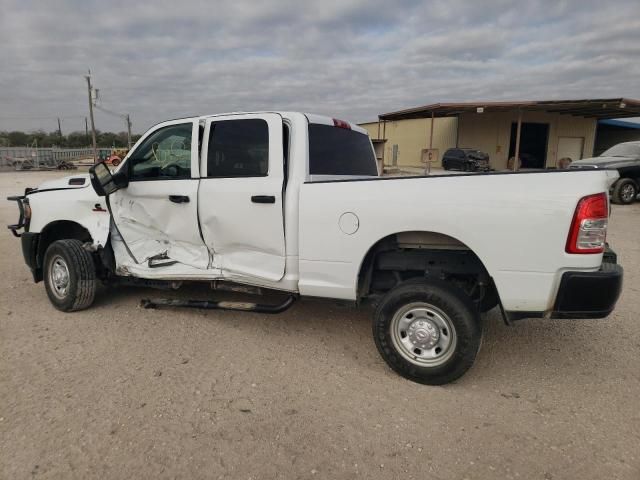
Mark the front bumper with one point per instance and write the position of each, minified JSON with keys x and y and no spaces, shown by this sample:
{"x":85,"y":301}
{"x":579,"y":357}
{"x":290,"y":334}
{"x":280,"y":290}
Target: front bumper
{"x":589,"y":294}
{"x":23,"y":207}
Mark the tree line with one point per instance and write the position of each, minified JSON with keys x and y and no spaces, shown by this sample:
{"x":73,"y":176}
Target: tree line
{"x":77,"y":139}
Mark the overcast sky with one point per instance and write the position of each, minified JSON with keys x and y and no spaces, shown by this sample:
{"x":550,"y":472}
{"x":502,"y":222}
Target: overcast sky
{"x":350,"y":59}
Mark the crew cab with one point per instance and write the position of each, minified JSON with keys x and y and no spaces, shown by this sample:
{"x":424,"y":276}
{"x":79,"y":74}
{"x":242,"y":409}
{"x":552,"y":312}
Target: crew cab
{"x":293,"y":203}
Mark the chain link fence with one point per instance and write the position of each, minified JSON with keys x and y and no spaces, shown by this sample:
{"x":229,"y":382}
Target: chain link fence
{"x":26,"y":158}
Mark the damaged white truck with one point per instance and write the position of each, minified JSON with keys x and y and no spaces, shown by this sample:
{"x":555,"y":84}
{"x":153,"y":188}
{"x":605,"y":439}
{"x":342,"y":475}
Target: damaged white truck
{"x":288,"y":202}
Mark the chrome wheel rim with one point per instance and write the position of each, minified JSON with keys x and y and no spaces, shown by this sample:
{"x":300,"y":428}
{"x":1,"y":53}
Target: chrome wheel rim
{"x":59,"y":276}
{"x":628,"y":192}
{"x":423,"y":334}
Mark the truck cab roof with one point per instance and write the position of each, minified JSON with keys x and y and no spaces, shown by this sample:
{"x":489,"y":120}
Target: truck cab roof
{"x":311,"y":118}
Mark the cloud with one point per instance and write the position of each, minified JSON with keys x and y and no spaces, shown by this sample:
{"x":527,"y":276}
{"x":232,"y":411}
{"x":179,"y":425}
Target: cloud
{"x":351,"y":59}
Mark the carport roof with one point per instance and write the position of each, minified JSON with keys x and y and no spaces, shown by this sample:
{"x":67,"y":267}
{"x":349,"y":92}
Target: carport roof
{"x":600,"y":108}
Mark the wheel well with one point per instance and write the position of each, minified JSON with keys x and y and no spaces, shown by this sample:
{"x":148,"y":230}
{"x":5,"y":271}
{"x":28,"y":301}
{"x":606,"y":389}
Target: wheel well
{"x":407,"y":255}
{"x":59,"y":230}
{"x":635,"y":180}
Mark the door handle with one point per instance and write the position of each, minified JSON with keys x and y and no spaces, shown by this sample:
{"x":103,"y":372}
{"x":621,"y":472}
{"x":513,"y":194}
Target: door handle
{"x":263,"y":199}
{"x":179,"y":198}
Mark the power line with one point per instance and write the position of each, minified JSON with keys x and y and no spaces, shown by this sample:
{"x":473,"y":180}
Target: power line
{"x":124,"y":116}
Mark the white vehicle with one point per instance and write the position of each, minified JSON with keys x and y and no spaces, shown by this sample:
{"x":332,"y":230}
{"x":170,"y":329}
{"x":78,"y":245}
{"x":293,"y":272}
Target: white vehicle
{"x":293,"y":203}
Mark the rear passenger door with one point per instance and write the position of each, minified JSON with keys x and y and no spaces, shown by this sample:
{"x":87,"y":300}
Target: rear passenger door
{"x":240,"y":195}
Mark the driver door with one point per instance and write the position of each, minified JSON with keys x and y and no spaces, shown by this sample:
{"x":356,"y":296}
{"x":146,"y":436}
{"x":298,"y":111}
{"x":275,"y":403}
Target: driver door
{"x":156,"y":215}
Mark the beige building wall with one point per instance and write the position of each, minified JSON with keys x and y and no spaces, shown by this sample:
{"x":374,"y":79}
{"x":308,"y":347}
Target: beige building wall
{"x":491,"y":133}
{"x":411,"y":136}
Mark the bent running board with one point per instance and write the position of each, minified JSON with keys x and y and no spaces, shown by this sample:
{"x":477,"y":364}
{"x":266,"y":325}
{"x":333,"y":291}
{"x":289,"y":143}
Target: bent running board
{"x":213,"y":305}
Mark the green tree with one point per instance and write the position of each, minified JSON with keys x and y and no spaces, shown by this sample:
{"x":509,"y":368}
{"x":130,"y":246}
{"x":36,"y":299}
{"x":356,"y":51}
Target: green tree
{"x":18,"y":139}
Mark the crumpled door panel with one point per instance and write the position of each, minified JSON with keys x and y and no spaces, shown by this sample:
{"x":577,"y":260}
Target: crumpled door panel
{"x":151,"y":225}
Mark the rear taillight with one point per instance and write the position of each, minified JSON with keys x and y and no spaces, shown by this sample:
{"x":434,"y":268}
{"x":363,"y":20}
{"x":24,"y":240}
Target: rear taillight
{"x":588,"y":231}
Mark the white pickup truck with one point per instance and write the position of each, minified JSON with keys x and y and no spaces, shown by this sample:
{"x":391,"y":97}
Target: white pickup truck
{"x":294,"y":203}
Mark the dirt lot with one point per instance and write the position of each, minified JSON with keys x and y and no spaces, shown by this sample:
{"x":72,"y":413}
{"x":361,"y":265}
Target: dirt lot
{"x":121,"y":392}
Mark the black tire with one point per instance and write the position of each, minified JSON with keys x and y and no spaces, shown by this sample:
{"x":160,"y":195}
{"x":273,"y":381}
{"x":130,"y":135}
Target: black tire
{"x":625,"y":191}
{"x":445,"y":165}
{"x":451,"y":302}
{"x":68,"y":260}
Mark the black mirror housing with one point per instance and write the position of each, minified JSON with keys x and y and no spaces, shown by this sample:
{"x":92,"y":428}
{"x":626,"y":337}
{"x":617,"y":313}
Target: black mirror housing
{"x":104,"y":182}
{"x":121,"y":178}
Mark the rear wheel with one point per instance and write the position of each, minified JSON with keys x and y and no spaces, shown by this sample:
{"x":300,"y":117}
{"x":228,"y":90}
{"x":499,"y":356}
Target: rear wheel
{"x":69,"y":275}
{"x":427,"y":331}
{"x":625,"y":191}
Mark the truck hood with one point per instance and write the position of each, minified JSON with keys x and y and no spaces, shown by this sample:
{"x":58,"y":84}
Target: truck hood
{"x":71,"y":182}
{"x":605,"y":162}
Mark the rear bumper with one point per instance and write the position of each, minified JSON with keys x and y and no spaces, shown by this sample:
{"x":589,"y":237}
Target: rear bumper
{"x":589,"y":294}
{"x":583,"y":294}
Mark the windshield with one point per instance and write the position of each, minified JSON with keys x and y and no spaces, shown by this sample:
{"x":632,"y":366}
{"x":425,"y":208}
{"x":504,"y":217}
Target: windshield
{"x":623,"y":150}
{"x":340,"y":151}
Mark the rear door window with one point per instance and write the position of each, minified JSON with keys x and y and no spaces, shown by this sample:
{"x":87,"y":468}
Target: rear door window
{"x":238,"y":148}
{"x":340,"y":151}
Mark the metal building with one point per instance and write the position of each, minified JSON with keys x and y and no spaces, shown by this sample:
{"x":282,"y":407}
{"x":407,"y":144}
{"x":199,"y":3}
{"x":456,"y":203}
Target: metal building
{"x":612,"y":132}
{"x":539,"y":133}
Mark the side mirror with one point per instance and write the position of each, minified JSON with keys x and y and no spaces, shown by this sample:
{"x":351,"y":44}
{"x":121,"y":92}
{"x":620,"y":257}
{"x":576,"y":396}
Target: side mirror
{"x":104,"y":182}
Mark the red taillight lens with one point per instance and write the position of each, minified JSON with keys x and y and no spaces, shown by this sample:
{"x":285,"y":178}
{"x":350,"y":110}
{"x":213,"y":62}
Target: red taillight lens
{"x":588,"y":231}
{"x":341,"y":124}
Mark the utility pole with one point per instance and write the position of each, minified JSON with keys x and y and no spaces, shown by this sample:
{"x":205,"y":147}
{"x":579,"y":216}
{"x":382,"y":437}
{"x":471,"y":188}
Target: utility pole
{"x":86,"y":129}
{"x":128,"y":131}
{"x":93,"y":102}
{"x":93,"y":125}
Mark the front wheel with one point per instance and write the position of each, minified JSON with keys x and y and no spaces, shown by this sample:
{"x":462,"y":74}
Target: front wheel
{"x":427,"y":331}
{"x":69,"y":275}
{"x":625,"y":191}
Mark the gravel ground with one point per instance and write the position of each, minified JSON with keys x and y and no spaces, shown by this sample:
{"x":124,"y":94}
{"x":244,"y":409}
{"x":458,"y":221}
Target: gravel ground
{"x":121,"y":392}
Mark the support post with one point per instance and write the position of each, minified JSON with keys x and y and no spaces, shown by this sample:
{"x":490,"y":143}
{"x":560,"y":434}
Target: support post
{"x":384,"y":136}
{"x":427,"y":167}
{"x":517,"y":152}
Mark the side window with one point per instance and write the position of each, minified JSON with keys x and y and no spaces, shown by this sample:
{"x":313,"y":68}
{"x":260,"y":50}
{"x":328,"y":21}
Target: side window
{"x":238,"y":148}
{"x":164,"y":155}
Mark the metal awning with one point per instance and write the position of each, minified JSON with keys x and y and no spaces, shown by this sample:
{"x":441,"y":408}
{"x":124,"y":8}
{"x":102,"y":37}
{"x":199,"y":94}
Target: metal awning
{"x":599,"y":108}
{"x":621,"y":123}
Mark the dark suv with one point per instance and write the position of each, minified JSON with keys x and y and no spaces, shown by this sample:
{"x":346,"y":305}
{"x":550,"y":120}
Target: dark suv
{"x":465,"y":159}
{"x":625,"y":158}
